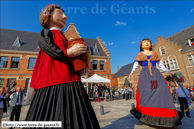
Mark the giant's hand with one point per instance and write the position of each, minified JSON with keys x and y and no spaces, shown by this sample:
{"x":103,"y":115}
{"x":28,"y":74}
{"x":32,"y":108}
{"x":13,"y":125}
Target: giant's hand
{"x":76,"y":50}
{"x":84,"y":71}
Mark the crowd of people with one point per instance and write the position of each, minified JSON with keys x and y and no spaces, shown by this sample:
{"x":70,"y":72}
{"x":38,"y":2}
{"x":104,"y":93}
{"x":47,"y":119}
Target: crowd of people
{"x":13,"y":98}
{"x":103,"y":91}
{"x":173,"y":89}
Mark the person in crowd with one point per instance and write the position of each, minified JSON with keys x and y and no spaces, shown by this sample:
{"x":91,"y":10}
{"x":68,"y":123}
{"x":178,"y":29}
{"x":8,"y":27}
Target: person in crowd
{"x":16,"y":104}
{"x":126,"y":93}
{"x":96,"y":96}
{"x":13,"y":84}
{"x":107,"y":95}
{"x":108,"y":89}
{"x":117,"y":94}
{"x":104,"y":89}
{"x":91,"y":91}
{"x":123,"y":92}
{"x":182,"y":99}
{"x":101,"y":90}
{"x":4,"y":97}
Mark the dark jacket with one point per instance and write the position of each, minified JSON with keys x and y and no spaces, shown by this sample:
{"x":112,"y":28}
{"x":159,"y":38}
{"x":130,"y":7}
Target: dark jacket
{"x":4,"y":102}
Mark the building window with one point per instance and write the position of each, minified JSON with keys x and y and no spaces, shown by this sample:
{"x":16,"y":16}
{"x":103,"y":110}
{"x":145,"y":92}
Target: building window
{"x":3,"y":62}
{"x":31,"y":63}
{"x":162,"y":50}
{"x":166,"y":63}
{"x":190,"y":41}
{"x":101,"y":65}
{"x":15,"y":62}
{"x":1,"y":82}
{"x":173,"y":62}
{"x":95,"y":64}
{"x":191,"y":59}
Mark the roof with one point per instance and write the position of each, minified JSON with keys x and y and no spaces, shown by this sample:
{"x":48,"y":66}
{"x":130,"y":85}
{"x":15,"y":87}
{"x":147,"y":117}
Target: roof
{"x":29,"y":41}
{"x":124,"y":70}
{"x":91,"y":43}
{"x":181,"y":38}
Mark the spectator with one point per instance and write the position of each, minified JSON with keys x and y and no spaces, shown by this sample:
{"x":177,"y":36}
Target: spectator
{"x":107,"y":95}
{"x":100,"y":90}
{"x":104,"y":89}
{"x":14,"y":65}
{"x":182,"y":100}
{"x":13,"y":84}
{"x":16,"y":104}
{"x":96,"y":96}
{"x":117,"y":94}
{"x":3,"y":98}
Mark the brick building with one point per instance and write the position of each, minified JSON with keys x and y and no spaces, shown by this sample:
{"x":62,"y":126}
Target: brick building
{"x":19,"y":50}
{"x":176,"y":53}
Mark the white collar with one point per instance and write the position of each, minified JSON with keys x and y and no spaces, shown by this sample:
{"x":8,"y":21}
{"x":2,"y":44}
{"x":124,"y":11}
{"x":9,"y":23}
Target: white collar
{"x":147,"y":55}
{"x":55,"y":28}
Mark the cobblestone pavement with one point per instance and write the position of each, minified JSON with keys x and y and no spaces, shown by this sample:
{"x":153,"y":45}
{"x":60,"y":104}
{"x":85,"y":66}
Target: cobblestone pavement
{"x":117,"y":116}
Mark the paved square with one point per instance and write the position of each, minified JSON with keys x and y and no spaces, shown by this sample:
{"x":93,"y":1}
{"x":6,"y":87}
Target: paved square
{"x":117,"y":116}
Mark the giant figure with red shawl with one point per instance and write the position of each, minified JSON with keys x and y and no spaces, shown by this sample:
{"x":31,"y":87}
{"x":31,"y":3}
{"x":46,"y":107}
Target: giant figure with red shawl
{"x":60,"y":94}
{"x":154,"y":103}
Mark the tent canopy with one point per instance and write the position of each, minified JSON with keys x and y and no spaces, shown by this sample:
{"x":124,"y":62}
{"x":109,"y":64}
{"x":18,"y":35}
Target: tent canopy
{"x":97,"y":79}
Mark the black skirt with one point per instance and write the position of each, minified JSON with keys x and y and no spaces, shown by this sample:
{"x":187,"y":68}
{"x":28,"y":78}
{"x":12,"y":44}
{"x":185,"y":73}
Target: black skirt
{"x":67,"y":103}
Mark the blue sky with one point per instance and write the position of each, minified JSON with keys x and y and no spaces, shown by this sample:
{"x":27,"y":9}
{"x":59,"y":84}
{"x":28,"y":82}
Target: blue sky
{"x":120,"y":24}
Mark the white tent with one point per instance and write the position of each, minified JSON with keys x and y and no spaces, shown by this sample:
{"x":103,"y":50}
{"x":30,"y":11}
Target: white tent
{"x":97,"y":79}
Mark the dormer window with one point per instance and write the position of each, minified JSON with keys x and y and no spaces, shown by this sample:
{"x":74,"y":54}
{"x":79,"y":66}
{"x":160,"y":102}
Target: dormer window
{"x":162,"y":50}
{"x":191,"y":41}
{"x":95,"y":48}
{"x":17,"y":42}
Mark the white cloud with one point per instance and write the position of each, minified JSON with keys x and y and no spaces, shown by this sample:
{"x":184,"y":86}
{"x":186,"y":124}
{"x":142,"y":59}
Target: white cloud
{"x":104,"y":43}
{"x":110,"y":43}
{"x":192,"y":10}
{"x":118,"y":23}
{"x":136,"y":40}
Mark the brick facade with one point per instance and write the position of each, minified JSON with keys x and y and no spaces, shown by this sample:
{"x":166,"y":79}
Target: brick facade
{"x":173,"y":51}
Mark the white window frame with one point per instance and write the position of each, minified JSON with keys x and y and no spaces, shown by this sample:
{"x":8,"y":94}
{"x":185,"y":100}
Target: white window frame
{"x":189,"y":40}
{"x":160,"y":49}
{"x":192,"y":58}
{"x":173,"y":62}
{"x":165,"y":62}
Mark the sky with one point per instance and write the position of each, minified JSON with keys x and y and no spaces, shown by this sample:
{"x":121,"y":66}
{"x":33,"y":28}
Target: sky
{"x":121,"y":25}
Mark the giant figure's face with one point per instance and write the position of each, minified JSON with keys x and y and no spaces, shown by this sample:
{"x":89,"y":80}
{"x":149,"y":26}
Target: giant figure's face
{"x":146,"y":44}
{"x":58,"y":19}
